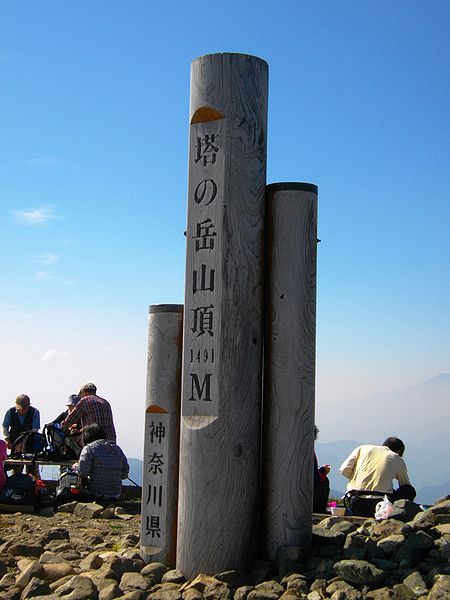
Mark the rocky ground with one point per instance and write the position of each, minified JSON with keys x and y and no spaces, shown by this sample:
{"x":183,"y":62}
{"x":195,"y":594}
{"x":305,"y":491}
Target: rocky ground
{"x":88,"y":553}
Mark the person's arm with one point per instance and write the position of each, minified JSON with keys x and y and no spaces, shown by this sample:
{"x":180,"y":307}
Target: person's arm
{"x":402,"y":473}
{"x":6,"y":424}
{"x":125,"y":467}
{"x":73,"y":417}
{"x":348,"y":466}
{"x":85,"y":462}
{"x":36,"y":420}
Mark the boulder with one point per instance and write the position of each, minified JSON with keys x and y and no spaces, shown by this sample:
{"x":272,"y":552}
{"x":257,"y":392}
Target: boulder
{"x":87,"y":510}
{"x":359,"y":572}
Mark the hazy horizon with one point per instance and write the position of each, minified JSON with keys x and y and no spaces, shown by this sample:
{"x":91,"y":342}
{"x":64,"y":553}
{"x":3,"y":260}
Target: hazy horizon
{"x":93,"y":187}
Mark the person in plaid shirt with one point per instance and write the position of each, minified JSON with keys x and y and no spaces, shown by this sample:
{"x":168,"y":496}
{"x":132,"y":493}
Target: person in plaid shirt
{"x":91,"y":409}
{"x":103,"y":463}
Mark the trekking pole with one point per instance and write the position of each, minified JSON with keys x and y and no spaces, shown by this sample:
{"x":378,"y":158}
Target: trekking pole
{"x":133,"y":482}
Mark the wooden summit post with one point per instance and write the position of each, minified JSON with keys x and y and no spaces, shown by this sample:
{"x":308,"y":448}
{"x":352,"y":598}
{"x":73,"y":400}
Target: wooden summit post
{"x":162,"y":434}
{"x":289,"y":368}
{"x":222,"y":346}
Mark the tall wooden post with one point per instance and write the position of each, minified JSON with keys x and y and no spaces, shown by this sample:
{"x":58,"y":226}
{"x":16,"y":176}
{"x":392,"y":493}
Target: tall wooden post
{"x":162,"y":426}
{"x":222,"y":347}
{"x":289,"y":368}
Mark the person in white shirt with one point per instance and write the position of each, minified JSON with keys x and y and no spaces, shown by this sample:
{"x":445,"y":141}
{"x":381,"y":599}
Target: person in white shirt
{"x":371,"y":471}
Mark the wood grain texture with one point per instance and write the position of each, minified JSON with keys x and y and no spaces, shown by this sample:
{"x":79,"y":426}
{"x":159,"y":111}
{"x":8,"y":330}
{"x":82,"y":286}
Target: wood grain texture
{"x":220,"y":440}
{"x":162,"y":427}
{"x":289,"y":369}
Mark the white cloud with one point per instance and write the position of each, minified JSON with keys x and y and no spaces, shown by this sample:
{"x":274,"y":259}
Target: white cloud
{"x":35,"y":216}
{"x":47,"y":258}
{"x":52,"y":355}
{"x":43,"y":275}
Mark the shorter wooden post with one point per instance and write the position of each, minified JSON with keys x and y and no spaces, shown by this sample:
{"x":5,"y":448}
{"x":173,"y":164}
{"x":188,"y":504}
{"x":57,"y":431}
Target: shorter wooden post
{"x":289,"y":368}
{"x":162,"y":438}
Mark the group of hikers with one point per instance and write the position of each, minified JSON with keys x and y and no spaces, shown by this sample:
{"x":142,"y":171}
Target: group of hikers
{"x":88,"y":421}
{"x":370,"y":471}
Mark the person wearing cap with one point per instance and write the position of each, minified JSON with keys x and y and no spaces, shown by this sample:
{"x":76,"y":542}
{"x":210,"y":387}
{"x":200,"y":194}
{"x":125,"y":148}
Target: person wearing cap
{"x":70,"y":405}
{"x":91,"y":409}
{"x":21,"y":417}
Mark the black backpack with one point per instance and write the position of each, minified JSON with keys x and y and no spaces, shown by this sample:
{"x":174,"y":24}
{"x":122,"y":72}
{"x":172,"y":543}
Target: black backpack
{"x":70,"y":487}
{"x":28,"y":444}
{"x":58,"y":445}
{"x":19,"y":490}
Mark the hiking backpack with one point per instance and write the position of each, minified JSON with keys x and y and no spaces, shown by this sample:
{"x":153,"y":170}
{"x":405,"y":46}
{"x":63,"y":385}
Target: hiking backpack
{"x":19,"y":490}
{"x":70,"y":487}
{"x":58,"y":445}
{"x":28,"y":445}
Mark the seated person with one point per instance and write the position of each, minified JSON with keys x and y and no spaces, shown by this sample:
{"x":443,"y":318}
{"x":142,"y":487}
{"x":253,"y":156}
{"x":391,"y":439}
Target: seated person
{"x":321,"y":482}
{"x":103,"y":462}
{"x":370,"y":471}
{"x":70,"y":404}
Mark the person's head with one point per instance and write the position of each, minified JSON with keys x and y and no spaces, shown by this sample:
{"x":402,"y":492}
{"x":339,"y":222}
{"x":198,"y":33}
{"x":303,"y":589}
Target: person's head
{"x":93,"y":432}
{"x":316,"y":432}
{"x":395,"y":445}
{"x":71,"y":402}
{"x":87,"y":389}
{"x":22,"y":404}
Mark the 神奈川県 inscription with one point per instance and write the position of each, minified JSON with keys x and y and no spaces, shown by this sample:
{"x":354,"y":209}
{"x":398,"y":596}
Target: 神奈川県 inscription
{"x":154,"y":494}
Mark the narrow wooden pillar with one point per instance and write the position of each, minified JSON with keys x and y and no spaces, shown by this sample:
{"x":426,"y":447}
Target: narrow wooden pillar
{"x":222,"y":347}
{"x":161,"y":441}
{"x":289,"y":368}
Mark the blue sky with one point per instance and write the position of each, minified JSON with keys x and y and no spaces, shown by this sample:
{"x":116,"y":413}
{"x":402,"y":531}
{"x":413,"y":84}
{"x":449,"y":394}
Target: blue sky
{"x":94,"y":101}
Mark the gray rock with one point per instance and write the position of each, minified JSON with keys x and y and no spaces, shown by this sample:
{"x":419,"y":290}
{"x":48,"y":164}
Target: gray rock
{"x":110,"y":592}
{"x":120,"y":513}
{"x":8,"y":580}
{"x":234,"y":578}
{"x":416,"y":545}
{"x":134,"y":581}
{"x":48,"y":557}
{"x":56,"y":533}
{"x":59,"y":582}
{"x":326,"y":537}
{"x":218,"y":591}
{"x":13,"y":593}
{"x":416,"y":584}
{"x":344,"y":527}
{"x":36,"y":587}
{"x":156,"y":570}
{"x":359,"y":572}
{"x":192,"y":594}
{"x":121,"y":564}
{"x":78,"y":588}
{"x":92,"y":561}
{"x":338,"y":585}
{"x":440,"y":589}
{"x":34,"y":569}
{"x":108,"y":513}
{"x":391,"y":543}
{"x":88,"y":510}
{"x":68,"y":508}
{"x":131,"y":539}
{"x":441,"y":507}
{"x":423,"y":520}
{"x":172,"y":576}
{"x":405,"y":510}
{"x":320,"y":585}
{"x":351,"y":594}
{"x":57,"y":571}
{"x":242,"y":592}
{"x":268,"y":590}
{"x":165,"y":594}
{"x":297,"y":583}
{"x":26,"y":550}
{"x":381,"y":594}
{"x":388,"y":527}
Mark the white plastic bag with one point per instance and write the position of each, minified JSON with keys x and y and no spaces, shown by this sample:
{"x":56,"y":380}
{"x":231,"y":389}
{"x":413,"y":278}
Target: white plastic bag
{"x":384,"y":509}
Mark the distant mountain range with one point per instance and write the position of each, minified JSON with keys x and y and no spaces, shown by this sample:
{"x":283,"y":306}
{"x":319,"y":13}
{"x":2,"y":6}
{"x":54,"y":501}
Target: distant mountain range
{"x":419,"y":415}
{"x":418,"y":412}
